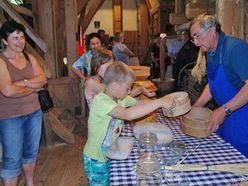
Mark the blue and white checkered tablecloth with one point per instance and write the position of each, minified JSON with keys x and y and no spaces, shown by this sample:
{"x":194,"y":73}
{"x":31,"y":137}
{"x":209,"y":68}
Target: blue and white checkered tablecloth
{"x":212,"y":151}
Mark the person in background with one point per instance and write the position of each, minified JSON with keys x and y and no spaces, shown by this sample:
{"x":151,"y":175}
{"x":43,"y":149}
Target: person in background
{"x":187,"y":54}
{"x":227,"y":74}
{"x":81,"y":67}
{"x":155,"y":56}
{"x":111,"y":43}
{"x":101,"y":59}
{"x":108,"y":111}
{"x":121,"y":51}
{"x":21,"y":77}
{"x":176,"y":45}
{"x":104,"y":38}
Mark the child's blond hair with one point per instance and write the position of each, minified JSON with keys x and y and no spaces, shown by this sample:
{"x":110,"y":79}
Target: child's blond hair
{"x":118,"y":72}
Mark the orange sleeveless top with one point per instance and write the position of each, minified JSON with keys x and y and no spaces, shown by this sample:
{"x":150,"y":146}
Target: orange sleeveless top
{"x":14,"y":107}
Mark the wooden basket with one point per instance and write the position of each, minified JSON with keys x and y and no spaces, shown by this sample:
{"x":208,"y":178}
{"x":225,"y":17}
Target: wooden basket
{"x":196,"y":122}
{"x":182,"y":104}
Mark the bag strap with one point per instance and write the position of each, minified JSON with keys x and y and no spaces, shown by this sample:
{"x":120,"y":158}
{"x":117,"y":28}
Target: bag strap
{"x":27,"y":58}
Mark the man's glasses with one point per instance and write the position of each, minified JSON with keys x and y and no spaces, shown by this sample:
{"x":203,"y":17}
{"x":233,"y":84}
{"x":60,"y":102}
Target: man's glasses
{"x":196,"y":36}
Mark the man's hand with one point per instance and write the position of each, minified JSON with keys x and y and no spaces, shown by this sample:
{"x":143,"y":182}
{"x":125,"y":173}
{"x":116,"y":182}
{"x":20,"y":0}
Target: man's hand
{"x":216,"y":118}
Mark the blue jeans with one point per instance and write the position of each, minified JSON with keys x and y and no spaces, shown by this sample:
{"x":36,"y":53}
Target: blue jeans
{"x":20,"y":138}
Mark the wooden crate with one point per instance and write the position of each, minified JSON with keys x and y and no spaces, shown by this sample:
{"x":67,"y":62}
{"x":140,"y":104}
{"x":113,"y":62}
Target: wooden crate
{"x":141,"y":72}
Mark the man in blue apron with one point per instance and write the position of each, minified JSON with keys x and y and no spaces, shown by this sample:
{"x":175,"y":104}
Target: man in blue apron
{"x":227,"y":71}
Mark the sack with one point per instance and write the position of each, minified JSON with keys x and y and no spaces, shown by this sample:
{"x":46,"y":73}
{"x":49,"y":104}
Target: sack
{"x":45,"y":99}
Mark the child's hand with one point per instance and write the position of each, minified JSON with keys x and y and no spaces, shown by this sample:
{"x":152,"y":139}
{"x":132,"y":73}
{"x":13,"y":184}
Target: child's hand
{"x":168,"y":102}
{"x":148,"y":90}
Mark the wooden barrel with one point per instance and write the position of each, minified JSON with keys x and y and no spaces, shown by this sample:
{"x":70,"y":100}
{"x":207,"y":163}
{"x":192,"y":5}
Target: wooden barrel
{"x":164,"y":87}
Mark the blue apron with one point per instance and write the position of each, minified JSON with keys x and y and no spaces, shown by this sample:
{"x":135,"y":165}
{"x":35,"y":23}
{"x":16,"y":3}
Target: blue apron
{"x":234,"y":129}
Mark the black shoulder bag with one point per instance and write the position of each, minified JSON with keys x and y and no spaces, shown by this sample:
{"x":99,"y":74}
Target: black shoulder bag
{"x":46,"y":102}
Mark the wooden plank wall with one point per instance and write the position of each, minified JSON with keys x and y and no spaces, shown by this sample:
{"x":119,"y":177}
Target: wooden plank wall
{"x":231,"y":16}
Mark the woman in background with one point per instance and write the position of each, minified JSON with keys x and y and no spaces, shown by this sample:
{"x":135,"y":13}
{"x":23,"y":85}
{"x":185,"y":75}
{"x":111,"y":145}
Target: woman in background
{"x":21,"y":77}
{"x":81,"y":67}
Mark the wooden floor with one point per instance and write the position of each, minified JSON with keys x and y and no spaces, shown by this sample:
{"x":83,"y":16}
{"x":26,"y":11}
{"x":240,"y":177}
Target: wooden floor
{"x":61,"y":165}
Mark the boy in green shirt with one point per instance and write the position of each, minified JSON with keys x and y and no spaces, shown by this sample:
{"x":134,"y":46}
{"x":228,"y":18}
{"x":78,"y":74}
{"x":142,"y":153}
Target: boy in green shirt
{"x":108,"y":110}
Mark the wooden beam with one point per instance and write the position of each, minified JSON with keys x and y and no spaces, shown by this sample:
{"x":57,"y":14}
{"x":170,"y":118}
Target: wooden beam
{"x":153,"y":6}
{"x":81,"y":16}
{"x":47,"y":29}
{"x":35,"y":15}
{"x":88,"y":17}
{"x":178,"y":6}
{"x":162,"y":56}
{"x":22,"y":10}
{"x":144,"y":32}
{"x":71,"y":28}
{"x":29,"y":30}
{"x":60,"y":35}
{"x":117,"y":11}
{"x":81,"y":5}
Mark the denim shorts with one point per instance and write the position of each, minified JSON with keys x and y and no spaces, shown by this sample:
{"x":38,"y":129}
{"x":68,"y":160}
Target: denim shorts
{"x":97,"y":172}
{"x":20,"y":138}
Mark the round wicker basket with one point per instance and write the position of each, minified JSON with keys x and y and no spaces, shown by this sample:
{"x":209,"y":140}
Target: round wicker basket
{"x":196,"y":122}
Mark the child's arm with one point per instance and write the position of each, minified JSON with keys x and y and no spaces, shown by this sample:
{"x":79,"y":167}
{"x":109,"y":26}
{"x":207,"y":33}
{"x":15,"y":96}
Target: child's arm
{"x":142,"y":90}
{"x":93,"y":86}
{"x":140,"y":110}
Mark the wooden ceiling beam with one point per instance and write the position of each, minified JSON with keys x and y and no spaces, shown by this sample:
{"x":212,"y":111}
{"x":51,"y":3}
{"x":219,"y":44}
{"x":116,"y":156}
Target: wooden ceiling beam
{"x":81,"y":5}
{"x":92,"y":11}
{"x":23,"y":10}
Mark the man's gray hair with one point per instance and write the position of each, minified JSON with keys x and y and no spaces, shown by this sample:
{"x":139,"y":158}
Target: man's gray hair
{"x":207,"y":21}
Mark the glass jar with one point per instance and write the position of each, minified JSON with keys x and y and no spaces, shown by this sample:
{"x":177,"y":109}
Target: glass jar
{"x":172,"y":153}
{"x":170,"y":157}
{"x":148,"y":142}
{"x":148,"y":170}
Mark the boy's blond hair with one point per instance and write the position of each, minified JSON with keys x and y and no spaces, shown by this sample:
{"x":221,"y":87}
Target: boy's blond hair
{"x":118,"y":72}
